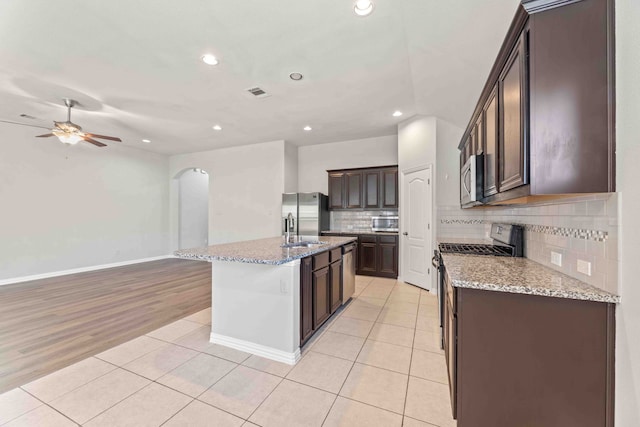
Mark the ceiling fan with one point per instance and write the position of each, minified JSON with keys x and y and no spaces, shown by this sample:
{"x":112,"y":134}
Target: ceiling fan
{"x":69,"y":132}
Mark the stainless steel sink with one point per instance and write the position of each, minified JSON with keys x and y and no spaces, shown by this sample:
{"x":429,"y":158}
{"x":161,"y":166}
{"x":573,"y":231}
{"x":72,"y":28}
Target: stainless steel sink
{"x":303,"y":244}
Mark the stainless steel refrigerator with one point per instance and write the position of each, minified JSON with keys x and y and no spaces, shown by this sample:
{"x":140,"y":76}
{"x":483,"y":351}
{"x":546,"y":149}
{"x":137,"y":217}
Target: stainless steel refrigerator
{"x":310,"y":212}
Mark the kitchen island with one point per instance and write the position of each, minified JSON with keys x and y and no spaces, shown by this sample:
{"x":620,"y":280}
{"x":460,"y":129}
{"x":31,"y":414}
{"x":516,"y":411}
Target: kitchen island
{"x":256,"y":294}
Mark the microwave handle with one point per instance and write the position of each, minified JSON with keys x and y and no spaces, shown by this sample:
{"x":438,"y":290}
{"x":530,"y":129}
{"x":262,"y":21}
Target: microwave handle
{"x":464,"y":181}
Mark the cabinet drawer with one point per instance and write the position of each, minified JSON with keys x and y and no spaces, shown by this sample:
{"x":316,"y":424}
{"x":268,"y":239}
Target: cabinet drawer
{"x":335,"y":254}
{"x":320,"y":260}
{"x":365,"y":238}
{"x":387,"y":239}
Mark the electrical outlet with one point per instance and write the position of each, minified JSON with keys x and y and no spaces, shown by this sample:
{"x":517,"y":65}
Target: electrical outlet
{"x":556,"y":258}
{"x":584,"y":267}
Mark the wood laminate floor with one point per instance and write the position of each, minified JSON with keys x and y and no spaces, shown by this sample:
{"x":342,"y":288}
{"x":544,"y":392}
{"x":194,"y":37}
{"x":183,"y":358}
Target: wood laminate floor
{"x":48,"y":324}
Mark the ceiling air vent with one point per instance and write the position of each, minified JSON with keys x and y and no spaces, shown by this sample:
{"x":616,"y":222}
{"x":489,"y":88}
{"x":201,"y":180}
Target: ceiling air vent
{"x":257,"y":92}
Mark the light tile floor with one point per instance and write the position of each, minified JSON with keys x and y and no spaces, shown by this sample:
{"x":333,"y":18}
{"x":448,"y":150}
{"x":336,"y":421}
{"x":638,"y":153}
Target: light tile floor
{"x":377,"y":362}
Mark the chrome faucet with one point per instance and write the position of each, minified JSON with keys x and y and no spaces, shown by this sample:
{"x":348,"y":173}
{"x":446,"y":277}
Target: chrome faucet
{"x":289,"y":222}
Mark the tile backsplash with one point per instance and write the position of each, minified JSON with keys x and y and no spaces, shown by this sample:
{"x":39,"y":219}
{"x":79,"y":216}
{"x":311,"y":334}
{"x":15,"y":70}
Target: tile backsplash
{"x":355,"y":220}
{"x":583,"y":228}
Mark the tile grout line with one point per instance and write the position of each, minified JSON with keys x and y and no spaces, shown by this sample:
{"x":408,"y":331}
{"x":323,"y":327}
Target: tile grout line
{"x":38,"y":407}
{"x":352,"y":365}
{"x":355,"y":361}
{"x":404,"y":408}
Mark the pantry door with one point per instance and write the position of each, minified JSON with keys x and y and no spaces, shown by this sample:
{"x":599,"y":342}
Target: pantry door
{"x":416,"y":228}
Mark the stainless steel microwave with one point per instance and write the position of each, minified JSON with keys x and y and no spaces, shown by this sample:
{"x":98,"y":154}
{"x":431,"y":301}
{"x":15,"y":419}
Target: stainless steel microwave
{"x":471,"y":182}
{"x":384,"y":223}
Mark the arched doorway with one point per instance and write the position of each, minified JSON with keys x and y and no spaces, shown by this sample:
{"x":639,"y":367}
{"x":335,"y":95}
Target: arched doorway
{"x":193,"y":208}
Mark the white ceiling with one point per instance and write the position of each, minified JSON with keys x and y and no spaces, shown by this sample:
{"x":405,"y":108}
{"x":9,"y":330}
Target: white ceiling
{"x":135,"y":66}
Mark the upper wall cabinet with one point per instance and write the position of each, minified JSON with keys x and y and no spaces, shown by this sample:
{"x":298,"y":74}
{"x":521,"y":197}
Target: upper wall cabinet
{"x":364,"y":188}
{"x":545,"y":119}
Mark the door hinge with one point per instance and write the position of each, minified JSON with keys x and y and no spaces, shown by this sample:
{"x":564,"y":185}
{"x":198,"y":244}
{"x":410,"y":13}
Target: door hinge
{"x":428,"y":181}
{"x":428,"y":271}
{"x":428,"y":226}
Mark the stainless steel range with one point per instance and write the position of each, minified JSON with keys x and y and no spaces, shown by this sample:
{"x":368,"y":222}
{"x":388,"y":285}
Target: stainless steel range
{"x":508,"y":240}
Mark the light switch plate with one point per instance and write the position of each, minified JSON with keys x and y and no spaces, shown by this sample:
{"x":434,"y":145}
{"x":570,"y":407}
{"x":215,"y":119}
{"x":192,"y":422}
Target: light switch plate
{"x":584,"y":267}
{"x":556,"y":258}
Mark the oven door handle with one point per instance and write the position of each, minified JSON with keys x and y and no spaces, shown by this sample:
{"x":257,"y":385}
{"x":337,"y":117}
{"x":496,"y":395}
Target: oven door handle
{"x":434,"y":262}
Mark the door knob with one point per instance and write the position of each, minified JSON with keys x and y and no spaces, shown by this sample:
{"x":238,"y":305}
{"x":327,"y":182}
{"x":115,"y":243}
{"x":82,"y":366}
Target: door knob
{"x":405,"y":234}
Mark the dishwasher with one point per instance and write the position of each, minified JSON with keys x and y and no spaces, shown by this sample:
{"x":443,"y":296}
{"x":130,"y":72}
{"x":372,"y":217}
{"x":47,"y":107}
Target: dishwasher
{"x":348,"y":272}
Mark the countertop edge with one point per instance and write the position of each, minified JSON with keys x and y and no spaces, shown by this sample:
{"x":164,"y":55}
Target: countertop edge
{"x":526,"y":290}
{"x":249,"y":260}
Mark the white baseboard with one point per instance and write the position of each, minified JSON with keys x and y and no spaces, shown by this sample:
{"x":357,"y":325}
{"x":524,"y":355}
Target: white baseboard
{"x":79,"y":270}
{"x":257,"y":349}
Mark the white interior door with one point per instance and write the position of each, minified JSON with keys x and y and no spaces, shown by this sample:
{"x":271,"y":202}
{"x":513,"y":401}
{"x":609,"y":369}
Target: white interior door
{"x":194,"y":209}
{"x":416,"y":228}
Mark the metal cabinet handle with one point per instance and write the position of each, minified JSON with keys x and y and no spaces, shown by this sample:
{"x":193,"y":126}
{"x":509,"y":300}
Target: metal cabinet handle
{"x":464,"y":181}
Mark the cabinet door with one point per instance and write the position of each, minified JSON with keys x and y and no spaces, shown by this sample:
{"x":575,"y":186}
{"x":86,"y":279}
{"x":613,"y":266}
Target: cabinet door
{"x":387,"y":256}
{"x":512,"y":151}
{"x":335,"y":272}
{"x":367,"y":252}
{"x":336,"y":190}
{"x":490,"y":114}
{"x":390,"y":188}
{"x":353,"y":183}
{"x":322,"y":308}
{"x":306,"y":300}
{"x":371,"y":189}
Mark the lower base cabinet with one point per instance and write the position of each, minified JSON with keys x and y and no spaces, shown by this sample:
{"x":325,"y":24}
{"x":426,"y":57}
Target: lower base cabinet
{"x":524,"y":360}
{"x":378,"y":255}
{"x":320,"y":290}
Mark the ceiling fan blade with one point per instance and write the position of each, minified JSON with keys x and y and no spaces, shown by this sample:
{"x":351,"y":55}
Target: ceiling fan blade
{"x":111,"y":138}
{"x":46,"y":135}
{"x":94,"y":142}
{"x":24,"y":124}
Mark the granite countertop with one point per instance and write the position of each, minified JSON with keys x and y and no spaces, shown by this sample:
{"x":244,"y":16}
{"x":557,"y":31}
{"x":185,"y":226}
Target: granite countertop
{"x":519,"y":276}
{"x":384,"y":233}
{"x":262,"y":251}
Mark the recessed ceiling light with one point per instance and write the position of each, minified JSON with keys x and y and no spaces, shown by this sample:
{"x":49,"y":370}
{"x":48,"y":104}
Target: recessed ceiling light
{"x":397,"y":113}
{"x":209,"y":59}
{"x":307,"y":128}
{"x":217,"y":127}
{"x":363,"y":7}
{"x":146,"y":140}
{"x":296,"y":76}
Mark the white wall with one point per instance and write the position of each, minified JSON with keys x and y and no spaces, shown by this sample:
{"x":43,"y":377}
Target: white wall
{"x":448,"y":162}
{"x":66,"y":207}
{"x":416,"y":149}
{"x":194,"y":208}
{"x":290,"y":168}
{"x":315,"y":160}
{"x":245,"y":190}
{"x":628,"y":177}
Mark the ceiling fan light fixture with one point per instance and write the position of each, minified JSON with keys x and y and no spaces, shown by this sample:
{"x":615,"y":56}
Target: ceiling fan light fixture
{"x":363,"y":7}
{"x":69,"y":138}
{"x":209,"y":59}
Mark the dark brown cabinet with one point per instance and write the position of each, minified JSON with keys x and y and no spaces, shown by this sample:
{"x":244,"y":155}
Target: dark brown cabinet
{"x":378,"y":255}
{"x":336,"y":190}
{"x":548,"y":105}
{"x":526,"y":360}
{"x":306,"y":299}
{"x":490,"y":140}
{"x":512,"y":148}
{"x":321,"y":302}
{"x":389,"y":188}
{"x":371,"y":189}
{"x":335,"y":273}
{"x":353,"y":187}
{"x":320,"y":290}
{"x":364,"y":188}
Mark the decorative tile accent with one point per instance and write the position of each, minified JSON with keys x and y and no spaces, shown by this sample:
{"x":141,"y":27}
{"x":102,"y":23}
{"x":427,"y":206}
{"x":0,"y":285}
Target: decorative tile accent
{"x":577,"y":233}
